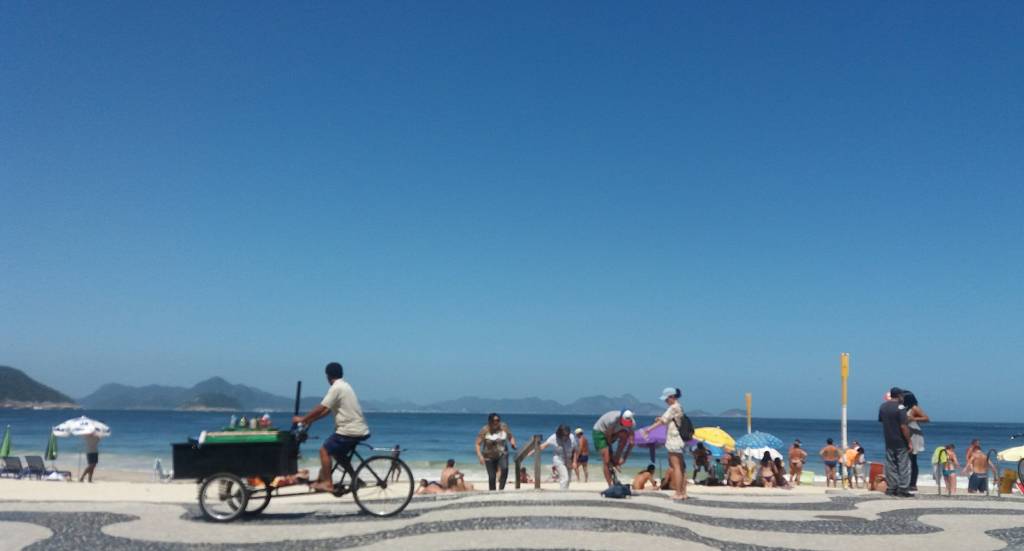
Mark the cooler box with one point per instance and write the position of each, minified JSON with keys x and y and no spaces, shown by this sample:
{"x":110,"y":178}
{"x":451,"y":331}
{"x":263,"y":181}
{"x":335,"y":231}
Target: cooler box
{"x":241,"y":458}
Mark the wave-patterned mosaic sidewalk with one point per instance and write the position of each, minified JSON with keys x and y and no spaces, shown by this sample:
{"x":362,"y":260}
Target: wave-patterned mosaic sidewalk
{"x":527,"y":520}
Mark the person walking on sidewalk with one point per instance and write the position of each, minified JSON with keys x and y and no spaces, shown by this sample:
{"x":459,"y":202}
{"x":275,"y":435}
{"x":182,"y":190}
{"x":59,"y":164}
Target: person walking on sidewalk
{"x":896,"y":433}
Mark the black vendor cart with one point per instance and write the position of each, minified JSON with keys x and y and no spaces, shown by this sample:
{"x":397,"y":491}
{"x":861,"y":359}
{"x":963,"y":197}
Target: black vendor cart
{"x":237,"y":477}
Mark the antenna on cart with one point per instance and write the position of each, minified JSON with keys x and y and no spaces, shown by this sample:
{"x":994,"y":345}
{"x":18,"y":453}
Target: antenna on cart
{"x":298,"y":395}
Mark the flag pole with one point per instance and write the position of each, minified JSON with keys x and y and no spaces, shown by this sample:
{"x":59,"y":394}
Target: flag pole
{"x":748,"y":397}
{"x":844,"y":373}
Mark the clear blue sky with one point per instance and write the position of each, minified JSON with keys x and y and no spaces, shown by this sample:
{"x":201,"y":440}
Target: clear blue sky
{"x":533,"y":199}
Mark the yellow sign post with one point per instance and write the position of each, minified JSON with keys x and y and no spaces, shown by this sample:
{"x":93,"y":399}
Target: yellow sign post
{"x":844,"y":374}
{"x":748,"y":412}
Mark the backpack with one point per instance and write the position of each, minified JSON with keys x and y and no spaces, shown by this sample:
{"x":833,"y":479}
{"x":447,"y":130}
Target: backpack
{"x":617,"y":491}
{"x":685,"y":429}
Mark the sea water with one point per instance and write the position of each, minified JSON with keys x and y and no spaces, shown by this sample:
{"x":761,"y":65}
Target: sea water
{"x":138,"y":438}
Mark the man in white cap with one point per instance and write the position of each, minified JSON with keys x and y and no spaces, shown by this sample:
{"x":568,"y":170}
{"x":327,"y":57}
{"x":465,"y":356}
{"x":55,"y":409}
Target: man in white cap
{"x":614,"y":426}
{"x":584,"y":456}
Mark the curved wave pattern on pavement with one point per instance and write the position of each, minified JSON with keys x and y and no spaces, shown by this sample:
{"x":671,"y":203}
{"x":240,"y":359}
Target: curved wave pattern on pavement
{"x":535,"y":521}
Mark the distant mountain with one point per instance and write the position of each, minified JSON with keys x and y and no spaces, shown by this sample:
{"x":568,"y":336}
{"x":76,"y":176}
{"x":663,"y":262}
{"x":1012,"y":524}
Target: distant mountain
{"x":733,"y":413}
{"x":590,"y":405}
{"x":18,"y":390}
{"x":700,"y":413}
{"x":212,"y":401}
{"x":217,"y":390}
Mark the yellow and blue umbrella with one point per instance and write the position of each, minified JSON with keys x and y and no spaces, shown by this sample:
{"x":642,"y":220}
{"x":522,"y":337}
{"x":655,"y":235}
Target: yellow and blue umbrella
{"x":714,"y":436}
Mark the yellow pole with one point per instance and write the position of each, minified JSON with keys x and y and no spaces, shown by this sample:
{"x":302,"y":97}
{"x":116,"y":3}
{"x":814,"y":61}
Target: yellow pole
{"x":844,"y":374}
{"x":748,"y":412}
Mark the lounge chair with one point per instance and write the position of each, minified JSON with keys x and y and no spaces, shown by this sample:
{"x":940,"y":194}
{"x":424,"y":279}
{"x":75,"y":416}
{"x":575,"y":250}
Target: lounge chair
{"x":37,"y":468}
{"x":12,"y":467}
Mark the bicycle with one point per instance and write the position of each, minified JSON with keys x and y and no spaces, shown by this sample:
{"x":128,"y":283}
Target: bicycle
{"x":235,"y":479}
{"x":1020,"y":463}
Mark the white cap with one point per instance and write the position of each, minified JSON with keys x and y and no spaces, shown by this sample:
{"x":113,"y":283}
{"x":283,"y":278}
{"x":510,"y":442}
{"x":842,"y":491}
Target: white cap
{"x":668,"y":391}
{"x":626,"y":419}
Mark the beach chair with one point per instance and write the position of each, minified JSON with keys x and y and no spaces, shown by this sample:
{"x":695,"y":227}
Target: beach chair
{"x":11,"y":468}
{"x":34,"y":467}
{"x":37,"y":467}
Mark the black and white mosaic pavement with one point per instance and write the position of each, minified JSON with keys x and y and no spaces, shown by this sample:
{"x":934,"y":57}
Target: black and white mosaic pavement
{"x":532,"y":520}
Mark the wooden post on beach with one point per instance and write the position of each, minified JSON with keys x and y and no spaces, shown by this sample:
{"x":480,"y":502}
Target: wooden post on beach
{"x":844,"y":373}
{"x":749,"y":399}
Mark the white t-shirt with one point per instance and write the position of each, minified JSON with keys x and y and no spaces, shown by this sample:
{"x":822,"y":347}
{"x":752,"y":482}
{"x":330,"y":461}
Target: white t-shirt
{"x":609,"y":422}
{"x":348,"y":416}
{"x":563,"y":453}
{"x":672,"y":416}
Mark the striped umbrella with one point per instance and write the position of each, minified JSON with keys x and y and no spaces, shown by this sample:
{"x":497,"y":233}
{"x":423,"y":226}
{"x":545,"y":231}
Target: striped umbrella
{"x":51,"y":448}
{"x":5,"y":446}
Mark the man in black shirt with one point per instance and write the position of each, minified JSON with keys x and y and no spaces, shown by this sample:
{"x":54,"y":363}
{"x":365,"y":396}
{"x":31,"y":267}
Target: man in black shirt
{"x":893,"y":417}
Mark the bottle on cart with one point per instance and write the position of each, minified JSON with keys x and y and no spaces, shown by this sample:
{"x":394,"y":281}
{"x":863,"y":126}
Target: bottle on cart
{"x":234,"y":421}
{"x":243,"y":423}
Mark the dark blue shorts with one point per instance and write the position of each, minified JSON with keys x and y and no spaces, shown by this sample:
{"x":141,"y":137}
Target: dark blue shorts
{"x":340,"y":446}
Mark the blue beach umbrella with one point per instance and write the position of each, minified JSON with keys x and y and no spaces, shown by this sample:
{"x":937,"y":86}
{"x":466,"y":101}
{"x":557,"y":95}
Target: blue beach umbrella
{"x":758,"y":439}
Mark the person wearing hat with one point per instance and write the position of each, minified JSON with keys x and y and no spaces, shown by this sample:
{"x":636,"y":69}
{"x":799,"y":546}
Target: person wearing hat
{"x":896,"y":432}
{"x":674,"y":445}
{"x":614,"y":426}
{"x":584,"y":458}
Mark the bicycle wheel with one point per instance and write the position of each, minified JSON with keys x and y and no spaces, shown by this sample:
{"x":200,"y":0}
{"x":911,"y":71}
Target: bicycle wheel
{"x":1020,"y":471}
{"x":257,"y":502}
{"x":223,"y":497}
{"x":383,"y":486}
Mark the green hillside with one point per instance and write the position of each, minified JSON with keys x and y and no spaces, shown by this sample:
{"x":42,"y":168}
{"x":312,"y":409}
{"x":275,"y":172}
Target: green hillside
{"x":15,"y":386}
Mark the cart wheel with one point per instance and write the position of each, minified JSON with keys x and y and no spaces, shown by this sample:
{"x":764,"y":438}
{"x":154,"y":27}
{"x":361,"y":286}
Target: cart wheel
{"x":257,"y":502}
{"x":383,"y":486}
{"x":223,"y":497}
{"x":1020,"y":471}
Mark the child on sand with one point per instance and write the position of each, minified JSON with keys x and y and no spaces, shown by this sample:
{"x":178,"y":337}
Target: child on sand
{"x":645,"y":477}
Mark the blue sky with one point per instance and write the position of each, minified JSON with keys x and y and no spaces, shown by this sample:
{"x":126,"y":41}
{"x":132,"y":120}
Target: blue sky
{"x":512,"y":200}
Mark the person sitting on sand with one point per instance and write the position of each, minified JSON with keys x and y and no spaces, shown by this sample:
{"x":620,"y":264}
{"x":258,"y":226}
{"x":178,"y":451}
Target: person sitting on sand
{"x":737,"y":476}
{"x":432,"y":487}
{"x":717,"y":475}
{"x":797,"y":458}
{"x":453,"y":479}
{"x":645,"y":477}
{"x":767,"y":470}
{"x":830,"y":456}
{"x":779,"y":472}
{"x":524,"y":476}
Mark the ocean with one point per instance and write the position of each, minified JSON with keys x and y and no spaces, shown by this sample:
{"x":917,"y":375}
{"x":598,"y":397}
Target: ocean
{"x":140,"y":437}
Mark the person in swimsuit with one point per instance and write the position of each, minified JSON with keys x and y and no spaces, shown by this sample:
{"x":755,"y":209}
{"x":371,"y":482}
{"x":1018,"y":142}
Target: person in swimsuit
{"x":645,"y":477}
{"x":701,"y":457}
{"x":830,"y":455}
{"x":950,"y":467}
{"x":432,"y":487}
{"x":584,"y":456}
{"x":735,"y":473}
{"x":780,"y":473}
{"x":980,"y":466}
{"x":767,"y":470}
{"x":797,"y":458}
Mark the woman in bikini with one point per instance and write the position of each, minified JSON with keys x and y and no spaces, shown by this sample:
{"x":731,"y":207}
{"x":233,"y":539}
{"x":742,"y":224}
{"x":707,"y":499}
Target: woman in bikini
{"x":768,"y":470}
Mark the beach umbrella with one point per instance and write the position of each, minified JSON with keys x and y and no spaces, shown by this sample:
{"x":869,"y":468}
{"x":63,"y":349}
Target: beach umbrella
{"x":653,"y":439}
{"x":5,"y":446}
{"x":758,"y":439}
{"x":51,"y":448}
{"x":757,"y":453}
{"x":1010,"y":454}
{"x":81,"y":426}
{"x":714,"y":436}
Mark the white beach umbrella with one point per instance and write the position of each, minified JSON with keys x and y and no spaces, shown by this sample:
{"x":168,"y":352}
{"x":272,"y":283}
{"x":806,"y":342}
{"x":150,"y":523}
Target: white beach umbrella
{"x":757,"y":453}
{"x":1011,"y":454}
{"x":81,"y":426}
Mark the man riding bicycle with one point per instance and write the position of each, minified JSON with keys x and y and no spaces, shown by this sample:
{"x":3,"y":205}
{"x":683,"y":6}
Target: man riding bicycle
{"x":350,"y":426}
